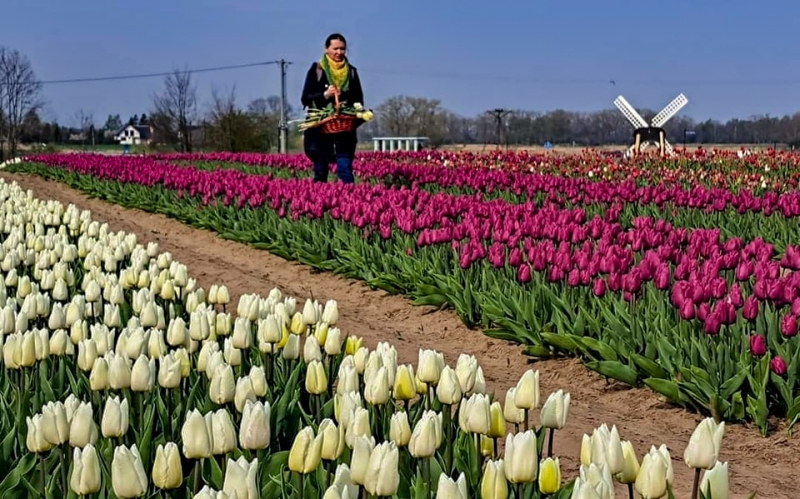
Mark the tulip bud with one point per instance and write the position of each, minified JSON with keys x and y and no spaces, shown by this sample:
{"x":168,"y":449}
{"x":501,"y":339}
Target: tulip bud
{"x":466,"y":370}
{"x":332,"y":440}
{"x":254,"y":432}
{"x":85,"y":478}
{"x":429,"y":366}
{"x":704,"y":445}
{"x":426,"y":437}
{"x":353,"y":344}
{"x":555,"y":410}
{"x":383,"y":477}
{"x":527,"y":392}
{"x":359,"y":461}
{"x":240,"y":479}
{"x":651,"y":481}
{"x":399,"y":429}
{"x":128,"y":478}
{"x":475,"y":414}
{"x":311,"y":351}
{"x":82,"y":428}
{"x":54,"y":423}
{"x":35,"y":440}
{"x":715,"y":482}
{"x":521,"y":457}
{"x":224,"y":434}
{"x":114,"y":423}
{"x":196,"y":436}
{"x":376,"y":391}
{"x":222,"y":387}
{"x":449,"y":390}
{"x":447,"y":488}
{"x":167,"y":469}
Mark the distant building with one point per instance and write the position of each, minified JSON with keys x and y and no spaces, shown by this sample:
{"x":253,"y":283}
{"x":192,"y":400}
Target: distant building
{"x":134,"y":135}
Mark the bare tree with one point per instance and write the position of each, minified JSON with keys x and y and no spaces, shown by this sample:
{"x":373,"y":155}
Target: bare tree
{"x":20,"y":93}
{"x":176,"y":109}
{"x":86,"y":126}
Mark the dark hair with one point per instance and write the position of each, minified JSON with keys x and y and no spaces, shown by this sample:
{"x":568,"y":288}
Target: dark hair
{"x":334,"y":36}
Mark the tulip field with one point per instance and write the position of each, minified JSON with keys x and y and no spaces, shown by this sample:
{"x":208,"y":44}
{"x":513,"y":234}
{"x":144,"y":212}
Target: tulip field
{"x":680,"y":275}
{"x":123,"y":378}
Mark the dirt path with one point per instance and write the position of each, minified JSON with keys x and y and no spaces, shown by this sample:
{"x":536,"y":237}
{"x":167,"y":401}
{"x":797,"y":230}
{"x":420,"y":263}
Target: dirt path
{"x":756,"y":463}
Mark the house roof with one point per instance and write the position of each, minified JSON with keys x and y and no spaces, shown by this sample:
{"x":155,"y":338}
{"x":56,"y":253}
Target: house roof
{"x":144,"y":130}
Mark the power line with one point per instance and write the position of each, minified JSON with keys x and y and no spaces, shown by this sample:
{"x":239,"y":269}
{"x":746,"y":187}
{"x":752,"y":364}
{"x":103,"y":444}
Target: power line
{"x":152,"y":75}
{"x":489,"y":76}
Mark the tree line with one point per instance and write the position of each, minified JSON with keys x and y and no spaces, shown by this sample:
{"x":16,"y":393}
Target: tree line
{"x":180,"y":121}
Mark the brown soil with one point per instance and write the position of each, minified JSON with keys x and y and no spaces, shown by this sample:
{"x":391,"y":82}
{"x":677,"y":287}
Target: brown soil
{"x":763,"y":464}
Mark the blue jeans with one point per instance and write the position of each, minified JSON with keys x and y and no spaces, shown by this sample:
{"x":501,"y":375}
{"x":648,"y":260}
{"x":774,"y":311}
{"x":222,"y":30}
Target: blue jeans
{"x":344,"y":167}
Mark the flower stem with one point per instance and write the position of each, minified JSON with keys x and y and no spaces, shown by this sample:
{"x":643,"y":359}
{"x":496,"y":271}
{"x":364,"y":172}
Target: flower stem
{"x":696,"y":483}
{"x":302,"y":483}
{"x":43,"y":475}
{"x":550,"y":439}
{"x":197,"y":469}
{"x":630,"y":491}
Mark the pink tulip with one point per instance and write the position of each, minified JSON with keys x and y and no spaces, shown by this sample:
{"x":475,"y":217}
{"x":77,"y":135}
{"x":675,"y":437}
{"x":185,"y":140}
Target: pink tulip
{"x":778,"y":365}
{"x":789,"y":326}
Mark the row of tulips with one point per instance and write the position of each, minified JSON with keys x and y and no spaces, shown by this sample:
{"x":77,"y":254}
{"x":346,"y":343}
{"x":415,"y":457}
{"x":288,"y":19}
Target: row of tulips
{"x":747,"y":213}
{"x":733,"y":170}
{"x":334,"y":420}
{"x":587,"y":288}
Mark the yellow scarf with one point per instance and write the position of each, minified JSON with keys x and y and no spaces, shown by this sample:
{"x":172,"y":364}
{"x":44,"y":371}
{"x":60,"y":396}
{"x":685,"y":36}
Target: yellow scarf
{"x":337,"y":72}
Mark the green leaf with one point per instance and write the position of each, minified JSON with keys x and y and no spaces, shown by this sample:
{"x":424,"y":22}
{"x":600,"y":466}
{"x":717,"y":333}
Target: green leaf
{"x":614,"y":370}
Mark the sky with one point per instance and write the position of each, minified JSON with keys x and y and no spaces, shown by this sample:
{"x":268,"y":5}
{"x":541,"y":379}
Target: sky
{"x":731,"y":58}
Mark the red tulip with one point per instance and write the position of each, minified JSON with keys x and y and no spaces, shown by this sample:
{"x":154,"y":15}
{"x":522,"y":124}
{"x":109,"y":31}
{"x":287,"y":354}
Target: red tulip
{"x":758,"y":345}
{"x":599,"y":287}
{"x":750,"y":308}
{"x":778,"y":365}
{"x":524,"y":273}
{"x":687,"y":311}
{"x":789,"y":326}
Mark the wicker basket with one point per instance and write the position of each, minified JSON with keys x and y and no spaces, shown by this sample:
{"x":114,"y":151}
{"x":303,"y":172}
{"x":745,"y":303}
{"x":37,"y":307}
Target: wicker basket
{"x":338,"y":122}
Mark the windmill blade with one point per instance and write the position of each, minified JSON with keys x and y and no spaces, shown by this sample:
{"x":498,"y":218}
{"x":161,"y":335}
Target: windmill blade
{"x":668,"y":148}
{"x":670,"y":111}
{"x":630,"y":113}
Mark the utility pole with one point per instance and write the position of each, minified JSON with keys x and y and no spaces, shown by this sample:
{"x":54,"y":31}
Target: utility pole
{"x":499,"y":116}
{"x":283,"y":126}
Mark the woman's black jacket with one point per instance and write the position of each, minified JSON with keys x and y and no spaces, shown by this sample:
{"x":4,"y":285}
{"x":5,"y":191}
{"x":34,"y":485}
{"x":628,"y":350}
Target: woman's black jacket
{"x":313,"y":97}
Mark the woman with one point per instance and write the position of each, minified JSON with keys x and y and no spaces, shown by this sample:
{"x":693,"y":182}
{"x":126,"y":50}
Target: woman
{"x":332,"y":75}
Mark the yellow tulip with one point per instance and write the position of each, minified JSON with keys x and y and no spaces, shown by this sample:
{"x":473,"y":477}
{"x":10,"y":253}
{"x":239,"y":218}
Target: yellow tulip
{"x":405,"y":383}
{"x":549,"y":476}
{"x":497,"y":427}
{"x":316,"y":379}
{"x":352,"y":344}
{"x":306,"y":451}
{"x":630,"y":467}
{"x":493,"y":482}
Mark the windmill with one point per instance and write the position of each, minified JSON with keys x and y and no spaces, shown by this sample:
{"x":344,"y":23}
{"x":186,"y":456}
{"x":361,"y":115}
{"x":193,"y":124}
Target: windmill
{"x":644,"y":134}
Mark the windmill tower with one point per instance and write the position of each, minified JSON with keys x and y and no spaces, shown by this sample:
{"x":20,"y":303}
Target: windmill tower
{"x":646,"y":134}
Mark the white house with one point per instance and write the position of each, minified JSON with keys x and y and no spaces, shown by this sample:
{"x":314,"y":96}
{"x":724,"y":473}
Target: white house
{"x":134,"y":135}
